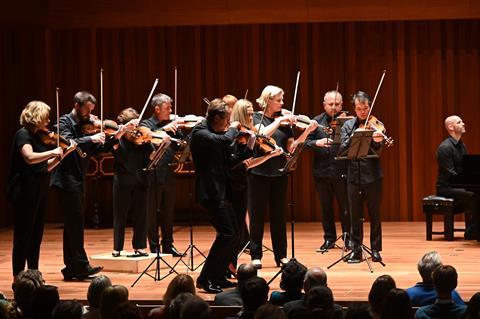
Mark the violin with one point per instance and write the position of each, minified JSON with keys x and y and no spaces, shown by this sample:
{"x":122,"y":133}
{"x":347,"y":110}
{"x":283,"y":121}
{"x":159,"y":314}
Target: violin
{"x":110,"y":127}
{"x":186,"y":122}
{"x":375,"y":124}
{"x":50,"y":138}
{"x":143,"y":135}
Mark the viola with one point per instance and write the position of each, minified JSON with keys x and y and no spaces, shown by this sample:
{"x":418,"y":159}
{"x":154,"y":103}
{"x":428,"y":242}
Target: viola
{"x":91,"y":127}
{"x":186,"y":122}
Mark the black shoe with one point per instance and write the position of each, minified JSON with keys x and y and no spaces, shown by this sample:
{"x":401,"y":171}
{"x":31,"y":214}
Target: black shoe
{"x":153,"y":250}
{"x":208,"y":286}
{"x":88,"y":273}
{"x":115,"y":253}
{"x":355,"y":257}
{"x":328,"y":244}
{"x":172,"y":251}
{"x":138,"y":253}
{"x":376,"y":256}
{"x":225,"y":284}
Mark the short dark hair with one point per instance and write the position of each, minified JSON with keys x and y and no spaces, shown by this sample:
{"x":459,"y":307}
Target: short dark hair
{"x":24,"y":289}
{"x":320,"y":301}
{"x":445,"y":279}
{"x":177,"y":303}
{"x":293,"y":276}
{"x":380,"y":287}
{"x":269,"y":311}
{"x":361,"y":97}
{"x":70,"y":309}
{"x":254,"y":293}
{"x":83,"y":97}
{"x":397,"y":305}
{"x":195,"y":308}
{"x":46,"y":298}
{"x":216,"y":108}
{"x":95,"y":289}
{"x":358,"y":311}
{"x":127,"y":310}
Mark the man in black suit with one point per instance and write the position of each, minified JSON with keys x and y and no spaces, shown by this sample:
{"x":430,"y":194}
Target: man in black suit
{"x":210,"y":151}
{"x":450,"y":154}
{"x":69,"y":179}
{"x":329,"y":174}
{"x":232,"y":297}
{"x":364,"y":182}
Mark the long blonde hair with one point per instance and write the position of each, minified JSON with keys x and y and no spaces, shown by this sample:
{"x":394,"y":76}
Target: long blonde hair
{"x":34,"y":113}
{"x":240,"y":112}
{"x":268,"y":93}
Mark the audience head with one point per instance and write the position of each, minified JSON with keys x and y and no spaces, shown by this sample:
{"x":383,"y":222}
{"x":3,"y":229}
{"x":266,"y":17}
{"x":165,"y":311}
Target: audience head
{"x":427,"y":264}
{"x":315,"y":276}
{"x":445,"y":280}
{"x":269,"y":311}
{"x":95,"y":289}
{"x":245,"y":271}
{"x":195,"y":308}
{"x":320,"y":302}
{"x":293,"y":277}
{"x":358,"y":311}
{"x":127,"y":310}
{"x":181,"y":283}
{"x":254,"y":293}
{"x":473,"y":309}
{"x":397,"y":305}
{"x":70,"y":309}
{"x":24,"y":288}
{"x":112,"y":297}
{"x":46,"y":298}
{"x":177,"y":304}
{"x":380,"y":288}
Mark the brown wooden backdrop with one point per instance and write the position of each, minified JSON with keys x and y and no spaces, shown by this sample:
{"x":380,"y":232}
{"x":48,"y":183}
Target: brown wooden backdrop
{"x":433,"y":70}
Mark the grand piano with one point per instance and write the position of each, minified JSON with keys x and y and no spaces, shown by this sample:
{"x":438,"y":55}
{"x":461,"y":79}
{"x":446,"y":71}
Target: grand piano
{"x":469,"y":178}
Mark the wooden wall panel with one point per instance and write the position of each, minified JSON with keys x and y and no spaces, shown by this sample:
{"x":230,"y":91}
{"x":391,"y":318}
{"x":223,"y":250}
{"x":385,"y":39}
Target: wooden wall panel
{"x":433,"y":70}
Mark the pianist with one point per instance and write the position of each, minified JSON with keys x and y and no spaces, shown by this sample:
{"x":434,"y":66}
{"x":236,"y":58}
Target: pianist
{"x":449,"y":158}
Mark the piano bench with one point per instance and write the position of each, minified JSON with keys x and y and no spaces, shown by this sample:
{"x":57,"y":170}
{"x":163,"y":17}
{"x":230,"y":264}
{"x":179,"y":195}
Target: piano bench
{"x":437,"y":205}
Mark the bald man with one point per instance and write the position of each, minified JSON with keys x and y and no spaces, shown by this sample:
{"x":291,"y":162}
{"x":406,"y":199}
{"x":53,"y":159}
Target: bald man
{"x":449,"y":158}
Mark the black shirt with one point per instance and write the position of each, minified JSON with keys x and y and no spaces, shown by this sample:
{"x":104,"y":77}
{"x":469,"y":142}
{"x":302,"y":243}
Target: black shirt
{"x":130,"y":160}
{"x":69,"y":175}
{"x":365,"y":170}
{"x":281,"y":135}
{"x":449,"y":158}
{"x":164,"y":171}
{"x":324,"y":163}
{"x":18,"y":165}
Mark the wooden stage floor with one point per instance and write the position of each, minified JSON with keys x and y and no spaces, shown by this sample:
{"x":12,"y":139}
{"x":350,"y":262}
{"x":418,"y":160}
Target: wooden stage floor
{"x":403,"y":244}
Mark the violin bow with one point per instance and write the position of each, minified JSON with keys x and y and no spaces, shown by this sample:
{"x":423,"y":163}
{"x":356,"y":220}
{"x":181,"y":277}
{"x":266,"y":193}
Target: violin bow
{"x":175,"y":101}
{"x":335,"y":100}
{"x":375,"y":97}
{"x":58,"y":116}
{"x":101,"y":100}
{"x":264,"y":109}
{"x":295,"y":94}
{"x":245,"y":96}
{"x":148,"y":99}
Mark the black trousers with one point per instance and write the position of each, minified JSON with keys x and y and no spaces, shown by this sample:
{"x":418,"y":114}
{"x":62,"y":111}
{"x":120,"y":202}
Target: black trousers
{"x":223,"y":219}
{"x":74,"y":255}
{"x":268,"y":191}
{"x":29,"y":211}
{"x":239,"y":204}
{"x":468,"y":200}
{"x":160,"y":208}
{"x":371,"y":194}
{"x":129,"y":197}
{"x":328,"y":189}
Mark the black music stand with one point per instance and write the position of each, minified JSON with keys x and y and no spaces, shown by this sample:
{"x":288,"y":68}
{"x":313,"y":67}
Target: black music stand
{"x":336,"y":135}
{"x":185,"y":158}
{"x":155,"y":158}
{"x":289,"y":168}
{"x":359,"y":148}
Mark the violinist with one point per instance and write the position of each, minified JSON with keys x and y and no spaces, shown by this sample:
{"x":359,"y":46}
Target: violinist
{"x":164,"y":179}
{"x":213,"y":157}
{"x":69,"y":179}
{"x":130,"y":187}
{"x":449,"y":158}
{"x":364,"y":182}
{"x":267,"y":185}
{"x":230,"y":100}
{"x":28,"y":184}
{"x":329,"y":174}
{"x":242,"y":112}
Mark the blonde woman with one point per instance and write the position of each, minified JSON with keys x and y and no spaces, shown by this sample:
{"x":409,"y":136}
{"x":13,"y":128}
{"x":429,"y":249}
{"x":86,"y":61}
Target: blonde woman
{"x":28,"y":184}
{"x":242,"y":112}
{"x":267,"y":184}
